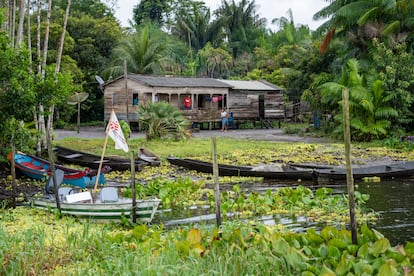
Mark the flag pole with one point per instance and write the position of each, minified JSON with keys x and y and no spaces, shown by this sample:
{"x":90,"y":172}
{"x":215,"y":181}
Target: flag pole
{"x":103,"y":155}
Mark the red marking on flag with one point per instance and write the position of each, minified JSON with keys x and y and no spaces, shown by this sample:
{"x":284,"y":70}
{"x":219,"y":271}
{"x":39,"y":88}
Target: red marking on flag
{"x":114,"y":125}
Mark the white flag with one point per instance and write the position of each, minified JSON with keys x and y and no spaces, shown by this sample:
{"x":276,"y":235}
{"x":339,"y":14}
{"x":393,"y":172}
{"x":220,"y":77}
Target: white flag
{"x":114,"y":130}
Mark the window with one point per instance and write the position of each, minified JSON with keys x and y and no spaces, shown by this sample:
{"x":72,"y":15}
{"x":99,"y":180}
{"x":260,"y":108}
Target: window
{"x":135,"y":99}
{"x":114,"y":99}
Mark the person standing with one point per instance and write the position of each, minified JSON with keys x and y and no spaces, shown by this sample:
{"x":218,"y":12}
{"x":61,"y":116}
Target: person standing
{"x":230,"y":119}
{"x":223,"y":116}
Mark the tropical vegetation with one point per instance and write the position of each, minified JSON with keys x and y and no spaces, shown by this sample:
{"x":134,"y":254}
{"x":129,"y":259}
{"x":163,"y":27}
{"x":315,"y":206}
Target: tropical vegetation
{"x":50,"y":50}
{"x":82,"y":39}
{"x":162,"y":120}
{"x":241,"y":244}
{"x":85,"y":248}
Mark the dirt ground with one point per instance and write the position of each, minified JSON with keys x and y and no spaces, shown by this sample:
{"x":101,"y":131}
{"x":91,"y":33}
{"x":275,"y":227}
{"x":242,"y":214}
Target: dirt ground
{"x":252,"y":134}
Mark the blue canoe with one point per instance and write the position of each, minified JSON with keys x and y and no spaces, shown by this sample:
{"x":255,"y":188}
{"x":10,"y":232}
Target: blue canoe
{"x":38,"y":168}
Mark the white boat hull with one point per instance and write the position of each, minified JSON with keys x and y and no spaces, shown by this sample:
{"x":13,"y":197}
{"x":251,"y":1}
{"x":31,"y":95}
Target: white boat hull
{"x":145,"y":209}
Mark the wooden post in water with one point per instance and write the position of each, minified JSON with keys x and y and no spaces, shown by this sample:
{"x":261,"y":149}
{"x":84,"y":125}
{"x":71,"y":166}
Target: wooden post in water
{"x":52,"y":168}
{"x":126,"y":90}
{"x":13,"y":172}
{"x":216,"y":180}
{"x":134,"y":199}
{"x":349,"y":176}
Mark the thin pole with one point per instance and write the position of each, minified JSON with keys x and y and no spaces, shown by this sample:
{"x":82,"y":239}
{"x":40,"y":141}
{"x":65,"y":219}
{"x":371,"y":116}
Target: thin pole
{"x":216,"y":181}
{"x":52,"y":168}
{"x":126,"y":90}
{"x":13,"y":172}
{"x":349,"y":177}
{"x":78,"y":115}
{"x":134,"y":199}
{"x":102,"y":157}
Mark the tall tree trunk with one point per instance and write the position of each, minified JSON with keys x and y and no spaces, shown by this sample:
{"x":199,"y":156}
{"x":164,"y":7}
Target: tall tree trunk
{"x":6,"y":6}
{"x":39,"y":57}
{"x":50,"y":120}
{"x":29,"y":38}
{"x":46,"y":42}
{"x":21,"y":22}
{"x":12,"y":23}
{"x":42,"y":125}
{"x":62,"y":39}
{"x":36,"y":121}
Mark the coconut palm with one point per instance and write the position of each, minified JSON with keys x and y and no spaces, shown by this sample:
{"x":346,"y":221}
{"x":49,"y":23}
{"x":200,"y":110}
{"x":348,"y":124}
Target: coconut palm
{"x":147,"y":51}
{"x":216,"y":61}
{"x":242,"y":25}
{"x":194,"y":26}
{"x":298,"y":37}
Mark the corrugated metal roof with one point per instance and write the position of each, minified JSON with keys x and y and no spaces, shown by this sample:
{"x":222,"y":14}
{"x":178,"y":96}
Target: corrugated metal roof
{"x":162,"y":81}
{"x":159,"y":81}
{"x":252,"y":85}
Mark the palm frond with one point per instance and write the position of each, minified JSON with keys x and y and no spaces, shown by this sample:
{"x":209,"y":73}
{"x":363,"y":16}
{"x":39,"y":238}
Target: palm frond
{"x":391,"y":28}
{"x":368,"y":15}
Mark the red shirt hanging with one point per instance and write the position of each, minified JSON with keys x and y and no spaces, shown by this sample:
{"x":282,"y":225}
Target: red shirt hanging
{"x":187,"y":102}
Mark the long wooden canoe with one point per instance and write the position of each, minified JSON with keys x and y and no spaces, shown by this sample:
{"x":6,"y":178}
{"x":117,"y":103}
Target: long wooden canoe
{"x":282,"y":172}
{"x":91,"y":160}
{"x":391,"y":170}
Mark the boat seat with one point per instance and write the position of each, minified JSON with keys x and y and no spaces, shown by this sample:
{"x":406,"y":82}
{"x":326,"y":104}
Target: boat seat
{"x":64,"y":191}
{"x":82,"y":197}
{"x":109,"y":194}
{"x":50,"y":188}
{"x":33,"y":166}
{"x":75,"y":155}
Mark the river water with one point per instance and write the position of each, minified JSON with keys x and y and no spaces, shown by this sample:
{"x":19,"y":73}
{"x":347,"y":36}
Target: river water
{"x":393,"y":200}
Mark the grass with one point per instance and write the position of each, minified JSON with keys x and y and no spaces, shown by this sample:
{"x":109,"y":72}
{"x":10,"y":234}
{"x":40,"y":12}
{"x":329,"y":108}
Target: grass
{"x":248,"y":152}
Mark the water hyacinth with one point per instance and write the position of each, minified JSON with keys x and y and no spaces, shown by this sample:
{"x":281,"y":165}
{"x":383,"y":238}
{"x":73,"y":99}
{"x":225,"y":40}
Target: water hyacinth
{"x":78,"y":248}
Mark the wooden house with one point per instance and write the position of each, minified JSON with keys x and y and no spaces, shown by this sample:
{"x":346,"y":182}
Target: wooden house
{"x":255,"y":99}
{"x":200,"y":99}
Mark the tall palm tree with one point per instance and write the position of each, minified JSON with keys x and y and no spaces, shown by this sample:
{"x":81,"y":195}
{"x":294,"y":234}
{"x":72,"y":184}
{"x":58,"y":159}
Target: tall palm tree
{"x":216,"y":60}
{"x":146,"y":51}
{"x":242,"y":24}
{"x":195,"y":27}
{"x":299,"y":37}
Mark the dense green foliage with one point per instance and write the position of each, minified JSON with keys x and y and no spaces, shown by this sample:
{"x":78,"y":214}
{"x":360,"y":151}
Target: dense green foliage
{"x":162,"y":120}
{"x":240,"y":245}
{"x":180,"y":37}
{"x":233,"y":249}
{"x":154,"y":11}
{"x":370,"y":110}
{"x":146,"y":51}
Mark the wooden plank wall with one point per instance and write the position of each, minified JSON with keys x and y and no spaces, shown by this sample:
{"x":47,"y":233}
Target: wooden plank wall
{"x":244,"y":105}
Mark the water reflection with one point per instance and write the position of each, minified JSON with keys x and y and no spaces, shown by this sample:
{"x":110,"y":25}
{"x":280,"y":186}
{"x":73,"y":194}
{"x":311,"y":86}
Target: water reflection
{"x":392,"y":199}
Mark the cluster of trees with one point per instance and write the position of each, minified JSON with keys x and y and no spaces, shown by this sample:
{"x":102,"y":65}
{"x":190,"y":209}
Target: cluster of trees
{"x":51,"y":49}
